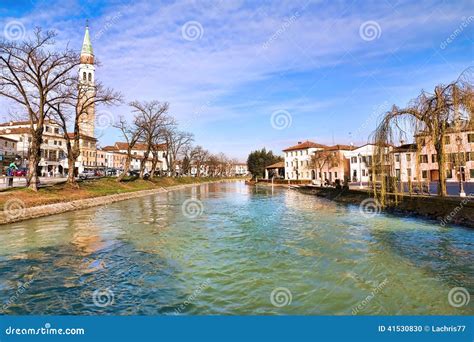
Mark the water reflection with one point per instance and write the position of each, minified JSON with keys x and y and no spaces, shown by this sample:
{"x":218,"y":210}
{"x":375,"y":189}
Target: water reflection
{"x":245,"y":243}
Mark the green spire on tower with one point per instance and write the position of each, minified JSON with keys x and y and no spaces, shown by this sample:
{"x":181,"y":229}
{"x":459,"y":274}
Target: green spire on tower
{"x":86,"y":45}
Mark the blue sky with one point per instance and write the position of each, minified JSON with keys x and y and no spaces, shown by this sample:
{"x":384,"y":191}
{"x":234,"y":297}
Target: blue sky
{"x":242,"y":75}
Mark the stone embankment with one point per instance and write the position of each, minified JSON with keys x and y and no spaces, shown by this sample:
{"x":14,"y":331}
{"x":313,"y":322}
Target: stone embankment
{"x":448,"y":210}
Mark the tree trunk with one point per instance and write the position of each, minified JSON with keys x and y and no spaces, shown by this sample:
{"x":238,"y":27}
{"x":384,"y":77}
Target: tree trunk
{"x":35,"y":157}
{"x":439,"y":147}
{"x":154,"y":163}
{"x":125,"y":168}
{"x":142,"y":164}
{"x":72,"y":155}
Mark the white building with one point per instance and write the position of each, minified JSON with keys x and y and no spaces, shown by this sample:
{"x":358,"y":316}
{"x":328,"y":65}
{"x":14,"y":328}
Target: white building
{"x":361,"y":162}
{"x":53,"y":149}
{"x":298,"y":160}
{"x":239,"y":170}
{"x":404,"y":167}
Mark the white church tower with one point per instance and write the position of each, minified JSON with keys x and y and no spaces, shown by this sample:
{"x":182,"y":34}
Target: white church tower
{"x":87,"y":85}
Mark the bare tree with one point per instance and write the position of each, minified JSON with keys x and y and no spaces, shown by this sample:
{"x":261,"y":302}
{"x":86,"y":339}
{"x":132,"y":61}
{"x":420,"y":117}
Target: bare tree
{"x":153,"y":119}
{"x":176,"y":142}
{"x":198,"y":157}
{"x":78,"y":98}
{"x":323,"y":158}
{"x":132,"y":134}
{"x":431,"y":116}
{"x":32,"y":74}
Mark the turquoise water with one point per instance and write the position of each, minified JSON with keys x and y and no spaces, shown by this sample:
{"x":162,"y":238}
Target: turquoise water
{"x":225,"y":251}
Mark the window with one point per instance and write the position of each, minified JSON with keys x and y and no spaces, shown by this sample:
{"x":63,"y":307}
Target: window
{"x":45,"y":141}
{"x":363,"y":172}
{"x":335,"y":174}
{"x":408,"y":157}
{"x":470,"y":139}
{"x":422,"y":142}
{"x":433,"y":158}
{"x":84,"y":75}
{"x":409,"y":173}
{"x":56,"y":130}
{"x":353,"y":160}
{"x":319,"y":174}
{"x":301,"y":163}
{"x":471,"y":173}
{"x":397,"y":158}
{"x":369,"y":159}
{"x":287,"y":164}
{"x":447,"y":140}
{"x":469,"y":156}
{"x":397,"y":173}
{"x":424,"y":158}
{"x":424,"y":174}
{"x":449,"y":173}
{"x":90,"y":77}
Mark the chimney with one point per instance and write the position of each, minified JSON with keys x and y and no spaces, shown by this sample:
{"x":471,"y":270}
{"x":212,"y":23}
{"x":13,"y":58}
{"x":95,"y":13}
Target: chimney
{"x":299,"y":142}
{"x":402,"y":142}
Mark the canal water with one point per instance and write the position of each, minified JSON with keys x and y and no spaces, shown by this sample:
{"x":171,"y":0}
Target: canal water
{"x":234,"y":250}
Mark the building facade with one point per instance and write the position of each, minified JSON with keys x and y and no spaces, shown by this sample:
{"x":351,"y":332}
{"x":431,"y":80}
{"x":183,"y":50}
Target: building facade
{"x":298,"y":160}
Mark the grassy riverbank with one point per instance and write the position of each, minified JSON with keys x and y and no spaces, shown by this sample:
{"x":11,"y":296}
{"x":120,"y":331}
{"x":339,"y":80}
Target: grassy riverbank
{"x":60,"y":193}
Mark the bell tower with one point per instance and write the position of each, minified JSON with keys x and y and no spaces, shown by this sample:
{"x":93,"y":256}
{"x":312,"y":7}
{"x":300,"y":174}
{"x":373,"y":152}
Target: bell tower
{"x":87,"y":86}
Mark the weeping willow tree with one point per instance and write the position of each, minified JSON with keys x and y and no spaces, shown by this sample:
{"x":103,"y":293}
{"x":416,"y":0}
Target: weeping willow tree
{"x":430,"y":118}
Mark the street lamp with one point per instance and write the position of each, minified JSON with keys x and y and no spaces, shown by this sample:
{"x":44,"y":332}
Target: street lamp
{"x":360,"y":170}
{"x":461,"y":183}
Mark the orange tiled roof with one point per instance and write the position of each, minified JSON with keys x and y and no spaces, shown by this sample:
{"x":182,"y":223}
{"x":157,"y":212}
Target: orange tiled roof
{"x":339,"y":147}
{"x":304,"y":145}
{"x":24,"y":122}
{"x":138,"y":146}
{"x":82,"y":136}
{"x":276,"y":165}
{"x":18,"y":130}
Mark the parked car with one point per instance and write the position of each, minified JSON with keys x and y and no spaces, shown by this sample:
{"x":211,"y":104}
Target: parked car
{"x":86,"y":174}
{"x":111,"y":172}
{"x":133,"y":173}
{"x":22,"y":172}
